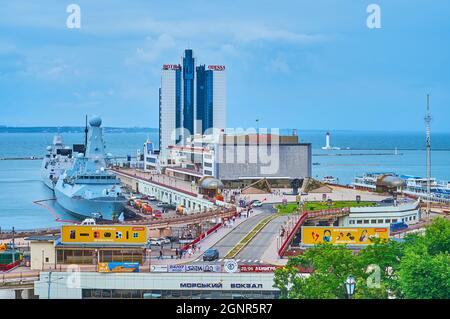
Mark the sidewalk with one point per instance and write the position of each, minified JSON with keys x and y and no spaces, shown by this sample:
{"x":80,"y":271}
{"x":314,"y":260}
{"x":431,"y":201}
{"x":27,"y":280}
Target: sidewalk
{"x":271,"y":257}
{"x":205,"y":244}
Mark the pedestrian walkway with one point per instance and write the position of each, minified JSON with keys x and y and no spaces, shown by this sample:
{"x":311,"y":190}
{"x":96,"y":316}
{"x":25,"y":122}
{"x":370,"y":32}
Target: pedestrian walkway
{"x":205,"y":244}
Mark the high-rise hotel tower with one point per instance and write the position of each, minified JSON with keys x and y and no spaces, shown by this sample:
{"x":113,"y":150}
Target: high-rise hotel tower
{"x":192,"y":100}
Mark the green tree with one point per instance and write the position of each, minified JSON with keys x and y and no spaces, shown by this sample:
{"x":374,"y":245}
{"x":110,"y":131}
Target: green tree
{"x":424,"y":276}
{"x":417,"y":267}
{"x":380,"y":264}
{"x":437,"y":236}
{"x":331,"y":264}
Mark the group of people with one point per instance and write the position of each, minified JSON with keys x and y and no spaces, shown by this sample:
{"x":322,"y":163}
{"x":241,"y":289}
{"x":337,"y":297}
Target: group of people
{"x":187,"y":253}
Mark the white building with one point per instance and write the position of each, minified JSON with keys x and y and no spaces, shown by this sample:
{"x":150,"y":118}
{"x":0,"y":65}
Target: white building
{"x":382,"y":216}
{"x":161,"y":285}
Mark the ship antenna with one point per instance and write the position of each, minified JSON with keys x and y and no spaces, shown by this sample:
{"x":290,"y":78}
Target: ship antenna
{"x":85,"y":136}
{"x":428,"y":145}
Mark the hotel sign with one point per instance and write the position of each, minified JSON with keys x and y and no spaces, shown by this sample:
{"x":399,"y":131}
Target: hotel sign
{"x":171,"y":67}
{"x":216,"y":67}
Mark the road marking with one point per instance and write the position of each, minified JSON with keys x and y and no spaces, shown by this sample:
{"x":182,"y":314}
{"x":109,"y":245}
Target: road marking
{"x":237,"y":260}
{"x":260,"y":261}
{"x":220,"y":260}
{"x":198,"y":259}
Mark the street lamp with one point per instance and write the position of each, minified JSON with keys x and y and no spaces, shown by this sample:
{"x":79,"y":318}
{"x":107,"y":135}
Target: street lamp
{"x":350,"y":285}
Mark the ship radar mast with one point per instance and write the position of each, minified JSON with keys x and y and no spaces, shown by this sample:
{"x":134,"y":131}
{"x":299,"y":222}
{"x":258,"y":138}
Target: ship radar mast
{"x":86,"y":130}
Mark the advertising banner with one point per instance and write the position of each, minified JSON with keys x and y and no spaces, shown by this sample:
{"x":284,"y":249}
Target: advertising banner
{"x":118,"y":267}
{"x":104,"y":234}
{"x":159,"y":268}
{"x":177,"y":268}
{"x":257,"y":268}
{"x":204,"y":268}
{"x":212,"y":268}
{"x":343,"y":235}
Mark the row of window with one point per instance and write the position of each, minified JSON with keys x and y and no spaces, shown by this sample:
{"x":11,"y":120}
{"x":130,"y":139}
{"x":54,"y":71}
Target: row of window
{"x":380,"y":221}
{"x":178,"y":294}
{"x":89,"y":256}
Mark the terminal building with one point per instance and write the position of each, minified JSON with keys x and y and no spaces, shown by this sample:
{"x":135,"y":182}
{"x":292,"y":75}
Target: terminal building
{"x":240,"y":160}
{"x":92,"y":285}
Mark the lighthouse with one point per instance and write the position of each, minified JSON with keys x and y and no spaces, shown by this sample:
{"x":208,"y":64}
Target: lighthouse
{"x":328,"y":144}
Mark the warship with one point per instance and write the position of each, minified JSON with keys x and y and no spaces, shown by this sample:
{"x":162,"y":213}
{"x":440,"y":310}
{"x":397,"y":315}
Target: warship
{"x":57,"y":159}
{"x":87,"y":189}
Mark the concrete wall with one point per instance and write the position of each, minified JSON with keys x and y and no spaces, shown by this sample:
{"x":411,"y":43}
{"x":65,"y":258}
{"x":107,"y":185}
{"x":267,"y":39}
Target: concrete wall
{"x":42,"y":253}
{"x":282,"y":161}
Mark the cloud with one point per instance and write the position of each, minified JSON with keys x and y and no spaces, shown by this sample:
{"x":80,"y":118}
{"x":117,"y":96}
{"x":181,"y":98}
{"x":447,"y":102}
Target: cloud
{"x":280,"y":65}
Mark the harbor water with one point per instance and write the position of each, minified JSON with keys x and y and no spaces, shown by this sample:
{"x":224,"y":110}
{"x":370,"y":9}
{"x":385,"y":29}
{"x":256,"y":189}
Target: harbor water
{"x":21,"y":186}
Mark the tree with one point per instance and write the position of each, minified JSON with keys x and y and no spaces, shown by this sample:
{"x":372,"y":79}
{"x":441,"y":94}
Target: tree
{"x":424,"y":276}
{"x":437,"y":236}
{"x":380,"y":263}
{"x":332,"y":265}
{"x":416,"y":267}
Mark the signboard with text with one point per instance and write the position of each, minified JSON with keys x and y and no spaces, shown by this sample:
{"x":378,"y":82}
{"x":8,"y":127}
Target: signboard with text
{"x":257,"y":268}
{"x":216,"y":67}
{"x":118,"y":267}
{"x":343,"y":235}
{"x":104,"y":234}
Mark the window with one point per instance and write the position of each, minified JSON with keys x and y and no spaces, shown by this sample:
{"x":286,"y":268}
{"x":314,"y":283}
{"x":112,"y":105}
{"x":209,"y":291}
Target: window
{"x":373,"y":221}
{"x":387,"y":221}
{"x":359,"y":221}
{"x":394,"y":220}
{"x":351,"y":222}
{"x":366,"y":221}
{"x":380,"y":221}
{"x":135,"y":235}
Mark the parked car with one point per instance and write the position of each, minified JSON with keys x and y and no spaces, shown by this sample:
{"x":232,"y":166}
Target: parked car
{"x":211,"y":254}
{"x":257,"y":204}
{"x":152,"y":198}
{"x":165,"y":240}
{"x":162,"y":204}
{"x":155,"y":242}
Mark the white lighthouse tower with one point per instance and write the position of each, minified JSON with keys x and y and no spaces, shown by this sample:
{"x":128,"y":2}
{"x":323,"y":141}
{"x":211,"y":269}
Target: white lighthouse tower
{"x":327,"y":143}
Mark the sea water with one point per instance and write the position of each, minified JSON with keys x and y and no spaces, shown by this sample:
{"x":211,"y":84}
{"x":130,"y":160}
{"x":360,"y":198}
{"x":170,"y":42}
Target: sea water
{"x":21,"y":186}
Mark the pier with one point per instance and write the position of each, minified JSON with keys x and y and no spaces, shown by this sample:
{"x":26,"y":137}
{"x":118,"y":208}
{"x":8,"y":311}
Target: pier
{"x":27,"y":158}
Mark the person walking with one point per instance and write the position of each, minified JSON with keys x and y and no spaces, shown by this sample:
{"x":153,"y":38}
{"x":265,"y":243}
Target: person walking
{"x":176,"y":253}
{"x":160,"y":254}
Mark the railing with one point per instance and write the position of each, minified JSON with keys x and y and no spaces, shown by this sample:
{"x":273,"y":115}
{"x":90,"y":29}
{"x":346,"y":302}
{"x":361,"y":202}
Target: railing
{"x":338,"y":212}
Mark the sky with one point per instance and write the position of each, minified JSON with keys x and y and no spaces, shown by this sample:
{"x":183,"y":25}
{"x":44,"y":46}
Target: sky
{"x":290,"y":63}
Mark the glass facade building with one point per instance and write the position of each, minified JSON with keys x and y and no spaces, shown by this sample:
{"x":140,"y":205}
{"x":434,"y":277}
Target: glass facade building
{"x":188,"y":90}
{"x":204,"y":99}
{"x":191,"y":100}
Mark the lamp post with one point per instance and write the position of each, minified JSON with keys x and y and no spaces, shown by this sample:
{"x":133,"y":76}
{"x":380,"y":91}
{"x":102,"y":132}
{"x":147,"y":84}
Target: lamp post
{"x":350,"y":285}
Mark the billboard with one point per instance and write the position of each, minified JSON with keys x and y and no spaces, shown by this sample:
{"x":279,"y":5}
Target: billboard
{"x":118,"y":267}
{"x":257,"y":268}
{"x":177,"y":268}
{"x":159,"y":268}
{"x":343,"y":235}
{"x":104,"y":234}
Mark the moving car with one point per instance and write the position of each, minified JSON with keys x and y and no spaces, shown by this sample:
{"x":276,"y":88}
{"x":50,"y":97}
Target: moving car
{"x":211,"y":254}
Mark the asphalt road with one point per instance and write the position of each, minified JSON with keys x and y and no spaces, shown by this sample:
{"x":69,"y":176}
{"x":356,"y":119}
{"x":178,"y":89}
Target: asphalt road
{"x":259,"y":244}
{"x":239,"y":232}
